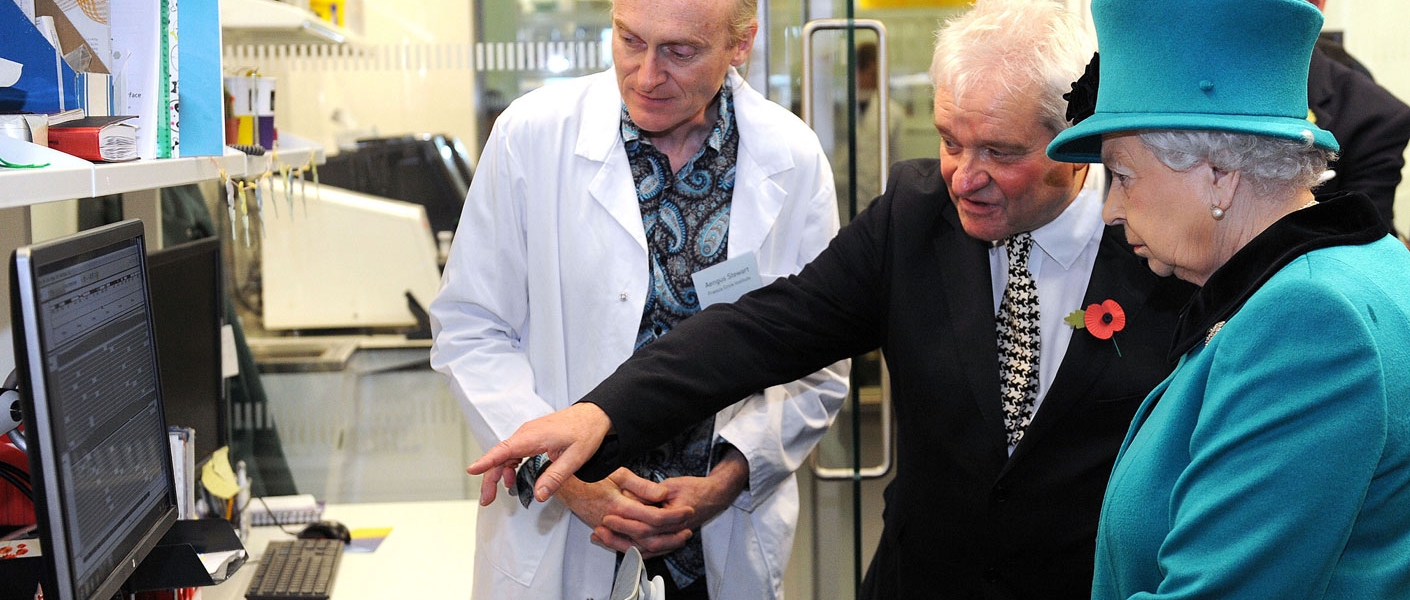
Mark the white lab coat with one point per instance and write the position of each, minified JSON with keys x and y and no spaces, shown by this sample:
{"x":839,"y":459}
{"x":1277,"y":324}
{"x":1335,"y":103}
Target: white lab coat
{"x":869,"y":167}
{"x":542,"y":297}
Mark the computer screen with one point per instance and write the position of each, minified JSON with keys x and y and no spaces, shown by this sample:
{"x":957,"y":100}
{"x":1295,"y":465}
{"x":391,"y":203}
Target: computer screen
{"x":188,"y":310}
{"x":100,"y":462}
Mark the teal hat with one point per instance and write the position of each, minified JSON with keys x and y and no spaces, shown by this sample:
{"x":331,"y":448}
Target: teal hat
{"x":1221,"y":65}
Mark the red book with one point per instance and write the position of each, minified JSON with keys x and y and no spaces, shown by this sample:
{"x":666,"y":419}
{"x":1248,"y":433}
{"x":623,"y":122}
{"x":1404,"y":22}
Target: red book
{"x":103,"y":139}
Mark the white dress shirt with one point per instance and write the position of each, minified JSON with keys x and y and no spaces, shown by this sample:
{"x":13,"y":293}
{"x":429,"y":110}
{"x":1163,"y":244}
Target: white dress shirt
{"x":1061,"y":270}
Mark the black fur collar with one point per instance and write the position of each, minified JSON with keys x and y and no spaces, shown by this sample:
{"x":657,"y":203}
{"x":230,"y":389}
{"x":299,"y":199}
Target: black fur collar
{"x":1344,"y":220}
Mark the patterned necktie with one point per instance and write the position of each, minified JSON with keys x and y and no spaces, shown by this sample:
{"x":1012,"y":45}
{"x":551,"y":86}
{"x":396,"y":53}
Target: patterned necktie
{"x":1018,"y":340}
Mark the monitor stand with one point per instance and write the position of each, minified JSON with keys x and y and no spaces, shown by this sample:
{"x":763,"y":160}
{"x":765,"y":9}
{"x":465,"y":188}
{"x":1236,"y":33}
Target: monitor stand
{"x":173,"y":563}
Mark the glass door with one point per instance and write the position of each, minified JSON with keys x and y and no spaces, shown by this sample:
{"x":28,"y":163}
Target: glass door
{"x":858,"y":72}
{"x":843,"y":62}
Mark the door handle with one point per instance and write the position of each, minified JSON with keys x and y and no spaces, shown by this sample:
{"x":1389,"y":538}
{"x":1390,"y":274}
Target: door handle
{"x":883,"y":87}
{"x":883,"y":102}
{"x":875,"y":471}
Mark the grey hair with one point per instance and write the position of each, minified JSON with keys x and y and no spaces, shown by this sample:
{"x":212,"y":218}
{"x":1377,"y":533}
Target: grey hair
{"x":1270,"y":164}
{"x":739,"y":21}
{"x":1028,"y":45}
{"x":744,"y":14}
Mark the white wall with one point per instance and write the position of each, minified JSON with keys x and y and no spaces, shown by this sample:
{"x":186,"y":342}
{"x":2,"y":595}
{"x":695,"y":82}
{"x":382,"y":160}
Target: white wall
{"x":400,"y":77}
{"x":1375,"y":32}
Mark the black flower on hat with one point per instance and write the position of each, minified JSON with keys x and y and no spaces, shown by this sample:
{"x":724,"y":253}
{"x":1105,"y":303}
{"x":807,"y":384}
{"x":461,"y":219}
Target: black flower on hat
{"x":1082,"y":100}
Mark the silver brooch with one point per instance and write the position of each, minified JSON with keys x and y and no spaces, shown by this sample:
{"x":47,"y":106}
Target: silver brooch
{"x":1213,"y":330}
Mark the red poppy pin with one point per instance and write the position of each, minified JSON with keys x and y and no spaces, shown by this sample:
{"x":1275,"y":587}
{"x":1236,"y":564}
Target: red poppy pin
{"x":1101,"y":320}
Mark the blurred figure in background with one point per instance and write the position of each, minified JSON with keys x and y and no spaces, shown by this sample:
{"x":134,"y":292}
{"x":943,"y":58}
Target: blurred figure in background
{"x":868,"y":123}
{"x":1372,"y":125}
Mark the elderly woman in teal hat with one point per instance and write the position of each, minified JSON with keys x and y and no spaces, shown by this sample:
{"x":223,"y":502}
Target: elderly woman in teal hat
{"x":1274,"y":462}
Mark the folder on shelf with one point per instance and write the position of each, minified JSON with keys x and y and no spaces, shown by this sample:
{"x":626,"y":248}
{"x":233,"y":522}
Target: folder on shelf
{"x":85,"y":39}
{"x":168,"y":127}
{"x":42,"y":86}
{"x":95,"y":93}
{"x":202,"y":121}
{"x":142,"y":72}
{"x":104,"y":139}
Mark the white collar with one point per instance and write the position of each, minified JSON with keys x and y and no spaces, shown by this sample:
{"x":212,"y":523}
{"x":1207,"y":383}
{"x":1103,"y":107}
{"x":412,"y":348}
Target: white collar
{"x":1064,"y":238}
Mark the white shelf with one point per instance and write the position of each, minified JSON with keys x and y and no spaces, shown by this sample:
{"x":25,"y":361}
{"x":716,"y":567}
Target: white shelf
{"x":293,"y":152}
{"x":271,"y":22}
{"x":65,"y":177}
{"x":68,"y":177}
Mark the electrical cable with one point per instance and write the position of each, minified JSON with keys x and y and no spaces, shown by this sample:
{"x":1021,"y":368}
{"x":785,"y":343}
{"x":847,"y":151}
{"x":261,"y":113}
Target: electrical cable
{"x":16,"y":471}
{"x":273,"y":516}
{"x":21,"y":484}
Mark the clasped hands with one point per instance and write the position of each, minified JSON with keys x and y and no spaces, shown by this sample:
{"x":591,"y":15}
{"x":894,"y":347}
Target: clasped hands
{"x":624,"y":509}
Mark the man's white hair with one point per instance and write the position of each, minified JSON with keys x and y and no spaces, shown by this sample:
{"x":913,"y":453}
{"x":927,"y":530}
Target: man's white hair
{"x":1030,"y":46}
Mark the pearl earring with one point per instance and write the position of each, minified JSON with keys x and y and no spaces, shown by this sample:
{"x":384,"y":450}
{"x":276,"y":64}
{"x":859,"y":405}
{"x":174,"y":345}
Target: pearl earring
{"x":1216,"y":212}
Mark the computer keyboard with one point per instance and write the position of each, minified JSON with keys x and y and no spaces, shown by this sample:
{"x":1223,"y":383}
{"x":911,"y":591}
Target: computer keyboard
{"x":296,"y":570}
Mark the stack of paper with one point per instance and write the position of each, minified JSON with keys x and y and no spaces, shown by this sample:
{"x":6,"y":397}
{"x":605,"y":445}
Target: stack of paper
{"x":183,"y":462}
{"x":284,"y":510}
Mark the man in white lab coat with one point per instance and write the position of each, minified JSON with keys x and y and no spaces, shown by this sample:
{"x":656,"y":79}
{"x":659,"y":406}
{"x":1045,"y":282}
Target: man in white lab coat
{"x":594,"y":202}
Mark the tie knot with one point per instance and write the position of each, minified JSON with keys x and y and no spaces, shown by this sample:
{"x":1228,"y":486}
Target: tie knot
{"x":1018,"y":247}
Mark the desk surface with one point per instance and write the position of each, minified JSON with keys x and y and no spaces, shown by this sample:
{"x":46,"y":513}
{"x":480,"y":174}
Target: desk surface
{"x":428,"y":554}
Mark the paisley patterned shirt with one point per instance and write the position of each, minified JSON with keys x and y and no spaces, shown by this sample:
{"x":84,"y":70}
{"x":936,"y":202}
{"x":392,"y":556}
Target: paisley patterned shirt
{"x":686,"y":216}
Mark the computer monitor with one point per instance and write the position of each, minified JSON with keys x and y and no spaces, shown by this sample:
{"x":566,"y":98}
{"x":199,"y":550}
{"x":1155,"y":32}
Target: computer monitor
{"x":188,"y":311}
{"x":100,"y":462}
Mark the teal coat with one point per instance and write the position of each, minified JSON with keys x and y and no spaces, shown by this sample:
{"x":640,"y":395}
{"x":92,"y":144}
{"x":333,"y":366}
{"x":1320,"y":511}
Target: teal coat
{"x":1274,"y":462}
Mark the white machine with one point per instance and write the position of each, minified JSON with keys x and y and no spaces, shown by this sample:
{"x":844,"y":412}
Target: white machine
{"x":335,"y":258}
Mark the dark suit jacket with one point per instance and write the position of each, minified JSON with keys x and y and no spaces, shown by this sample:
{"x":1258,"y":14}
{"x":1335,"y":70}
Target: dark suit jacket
{"x":1371,"y":125}
{"x":962,"y":518}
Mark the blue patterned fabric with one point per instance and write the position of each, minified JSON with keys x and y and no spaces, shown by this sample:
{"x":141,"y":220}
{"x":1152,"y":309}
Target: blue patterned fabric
{"x":686,"y":216}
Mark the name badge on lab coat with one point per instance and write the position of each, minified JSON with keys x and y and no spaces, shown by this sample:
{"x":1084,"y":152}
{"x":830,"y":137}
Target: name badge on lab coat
{"x":727,"y":281}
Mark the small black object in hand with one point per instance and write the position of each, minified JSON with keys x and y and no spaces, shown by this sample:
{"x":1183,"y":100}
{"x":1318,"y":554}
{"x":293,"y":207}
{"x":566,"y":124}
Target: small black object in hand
{"x":527,"y":476}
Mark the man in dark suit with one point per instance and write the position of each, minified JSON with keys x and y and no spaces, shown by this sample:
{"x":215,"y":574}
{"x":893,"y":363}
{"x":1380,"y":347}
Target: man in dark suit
{"x":997,"y":486}
{"x":1371,"y":124}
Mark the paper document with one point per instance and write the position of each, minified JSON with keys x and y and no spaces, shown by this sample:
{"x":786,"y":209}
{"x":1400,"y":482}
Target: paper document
{"x":9,"y":72}
{"x":216,"y":563}
{"x":218,"y":476}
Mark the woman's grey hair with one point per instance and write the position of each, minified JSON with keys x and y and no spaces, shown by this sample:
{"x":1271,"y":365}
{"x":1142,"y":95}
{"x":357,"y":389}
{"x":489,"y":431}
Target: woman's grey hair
{"x":1272,"y":165}
{"x":1028,"y":45}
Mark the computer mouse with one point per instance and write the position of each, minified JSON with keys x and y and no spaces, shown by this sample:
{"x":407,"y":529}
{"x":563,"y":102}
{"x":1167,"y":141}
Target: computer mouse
{"x":326,"y":530}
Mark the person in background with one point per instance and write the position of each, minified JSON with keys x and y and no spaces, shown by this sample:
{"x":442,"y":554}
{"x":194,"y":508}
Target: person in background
{"x":1008,"y":417}
{"x":1274,"y":462}
{"x":596,"y":205}
{"x":868,"y":129}
{"x":1372,"y":125}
